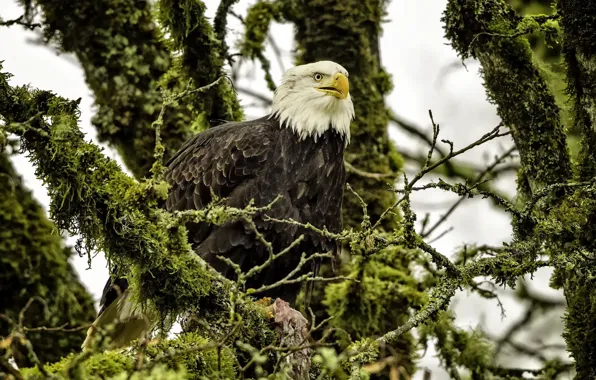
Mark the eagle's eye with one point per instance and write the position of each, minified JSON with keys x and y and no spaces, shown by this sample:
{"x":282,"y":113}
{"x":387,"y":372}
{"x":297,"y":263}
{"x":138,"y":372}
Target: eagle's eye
{"x":318,"y":77}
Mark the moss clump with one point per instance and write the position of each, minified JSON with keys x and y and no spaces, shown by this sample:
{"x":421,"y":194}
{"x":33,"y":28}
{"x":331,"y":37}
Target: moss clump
{"x":457,"y":347}
{"x":34,"y":263}
{"x":258,"y":20}
{"x":197,"y":355}
{"x":371,"y":306}
{"x":569,"y":234}
{"x":97,"y":367}
{"x":159,"y":372}
{"x":124,"y":56}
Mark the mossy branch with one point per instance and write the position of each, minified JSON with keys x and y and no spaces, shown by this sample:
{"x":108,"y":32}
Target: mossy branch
{"x":578,"y":23}
{"x":257,"y":22}
{"x":203,"y":54}
{"x":515,"y":84}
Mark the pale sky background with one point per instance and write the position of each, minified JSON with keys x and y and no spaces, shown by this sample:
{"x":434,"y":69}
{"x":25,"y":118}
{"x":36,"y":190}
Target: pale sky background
{"x":416,"y":54}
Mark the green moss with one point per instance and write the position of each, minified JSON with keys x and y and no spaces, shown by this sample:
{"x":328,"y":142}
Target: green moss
{"x":459,"y":348}
{"x":193,"y":353}
{"x":159,"y":372}
{"x":34,"y":263}
{"x":570,"y":234}
{"x":124,"y":56}
{"x":202,"y":57}
{"x":258,"y":20}
{"x":96,"y":367}
{"x":370,"y":307}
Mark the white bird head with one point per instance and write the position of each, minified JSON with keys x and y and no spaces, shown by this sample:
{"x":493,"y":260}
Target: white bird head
{"x":314,"y":98}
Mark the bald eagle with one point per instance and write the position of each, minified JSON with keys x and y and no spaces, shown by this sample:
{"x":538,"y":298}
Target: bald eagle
{"x":296,"y":152}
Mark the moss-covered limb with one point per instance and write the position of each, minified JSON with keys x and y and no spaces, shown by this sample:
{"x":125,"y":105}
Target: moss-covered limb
{"x":121,"y":51}
{"x":190,"y":355}
{"x":202,"y":58}
{"x":220,"y":24}
{"x":258,"y":21}
{"x":118,"y":215}
{"x":471,"y":350}
{"x":578,"y":20}
{"x":570,"y":234}
{"x":34,"y":263}
{"x":483,"y":29}
{"x":505,"y":268}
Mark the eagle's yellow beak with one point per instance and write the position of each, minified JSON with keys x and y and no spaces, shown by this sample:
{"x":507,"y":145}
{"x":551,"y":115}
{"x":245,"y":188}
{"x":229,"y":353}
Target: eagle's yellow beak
{"x":338,"y":86}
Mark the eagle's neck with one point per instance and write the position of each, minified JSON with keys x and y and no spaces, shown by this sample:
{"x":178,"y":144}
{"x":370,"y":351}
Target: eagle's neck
{"x":315,"y":116}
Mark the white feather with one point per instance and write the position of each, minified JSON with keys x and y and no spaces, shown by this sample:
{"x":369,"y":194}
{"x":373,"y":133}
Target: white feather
{"x":309,"y":112}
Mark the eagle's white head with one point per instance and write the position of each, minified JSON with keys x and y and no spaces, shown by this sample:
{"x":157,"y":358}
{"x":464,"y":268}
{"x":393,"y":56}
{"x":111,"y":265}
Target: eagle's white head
{"x":313,"y":98}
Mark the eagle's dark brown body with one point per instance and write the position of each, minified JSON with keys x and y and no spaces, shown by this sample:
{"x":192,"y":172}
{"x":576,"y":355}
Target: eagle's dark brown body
{"x":258,"y":160}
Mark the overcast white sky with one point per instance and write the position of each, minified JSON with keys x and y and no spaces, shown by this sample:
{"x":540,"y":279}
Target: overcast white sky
{"x":416,"y":54}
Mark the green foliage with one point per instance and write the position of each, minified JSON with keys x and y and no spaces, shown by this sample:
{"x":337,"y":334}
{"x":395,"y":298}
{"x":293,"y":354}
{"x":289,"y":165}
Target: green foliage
{"x":188,"y":356}
{"x":34,"y":263}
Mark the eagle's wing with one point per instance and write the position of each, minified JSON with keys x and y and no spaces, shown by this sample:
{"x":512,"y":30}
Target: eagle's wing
{"x":222,"y":159}
{"x":226,"y":160}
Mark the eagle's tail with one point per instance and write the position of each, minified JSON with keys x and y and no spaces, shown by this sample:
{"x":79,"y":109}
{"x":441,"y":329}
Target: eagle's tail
{"x":310,"y":285}
{"x":122,"y":322}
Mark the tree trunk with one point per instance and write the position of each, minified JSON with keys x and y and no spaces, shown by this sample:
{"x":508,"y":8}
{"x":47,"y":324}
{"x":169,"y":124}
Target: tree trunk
{"x":34,"y":266}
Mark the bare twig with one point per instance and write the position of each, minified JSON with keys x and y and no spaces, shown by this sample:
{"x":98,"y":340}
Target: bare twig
{"x":365,"y":174}
{"x":475,"y":182}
